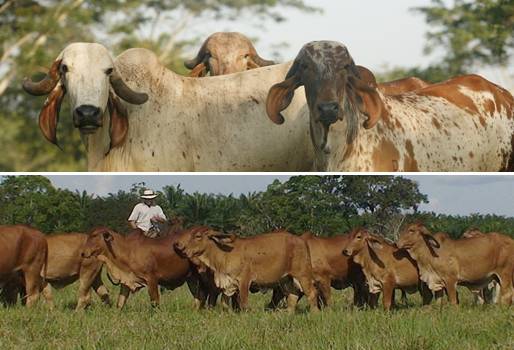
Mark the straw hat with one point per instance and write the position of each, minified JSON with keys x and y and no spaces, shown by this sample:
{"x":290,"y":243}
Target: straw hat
{"x":148,"y":194}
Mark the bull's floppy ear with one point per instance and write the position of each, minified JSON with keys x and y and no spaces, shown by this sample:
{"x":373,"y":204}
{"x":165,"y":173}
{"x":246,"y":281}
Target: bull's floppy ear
{"x":374,"y":243}
{"x":107,"y":236}
{"x":224,"y":241}
{"x":49,"y":115}
{"x":431,"y":241}
{"x":118,"y":127}
{"x":371,"y":103}
{"x":280,"y":95}
{"x":200,"y":70}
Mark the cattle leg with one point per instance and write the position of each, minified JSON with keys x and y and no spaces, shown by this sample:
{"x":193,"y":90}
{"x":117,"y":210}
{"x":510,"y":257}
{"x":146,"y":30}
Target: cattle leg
{"x":387,"y":297}
{"x":244,"y":289}
{"x":33,"y":283}
{"x":48,"y":295}
{"x":373,"y":300}
{"x":506,"y":292}
{"x":153,"y":291}
{"x":197,"y":291}
{"x":426,"y":293}
{"x":325,"y":293}
{"x":123,"y":296}
{"x":451,"y":289}
{"x":276,"y":298}
{"x":292,"y":301}
{"x":310,"y":291}
{"x":101,"y":290}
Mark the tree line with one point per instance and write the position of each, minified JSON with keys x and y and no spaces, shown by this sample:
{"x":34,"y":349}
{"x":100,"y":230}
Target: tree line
{"x":324,"y":205}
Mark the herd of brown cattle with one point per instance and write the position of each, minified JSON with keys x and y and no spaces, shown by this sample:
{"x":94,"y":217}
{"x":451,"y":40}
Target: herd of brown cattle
{"x":213,"y":263}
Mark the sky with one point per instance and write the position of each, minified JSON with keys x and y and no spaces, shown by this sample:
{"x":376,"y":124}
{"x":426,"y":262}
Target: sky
{"x":378,"y":34}
{"x":447,"y":194}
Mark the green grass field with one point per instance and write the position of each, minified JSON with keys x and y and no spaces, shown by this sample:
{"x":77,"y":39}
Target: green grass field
{"x":175,"y":325}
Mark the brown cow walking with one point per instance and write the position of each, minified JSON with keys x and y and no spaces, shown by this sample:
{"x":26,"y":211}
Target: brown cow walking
{"x":473,"y":262}
{"x":331,"y":268}
{"x":264,"y":261}
{"x":137,"y":261}
{"x":385,"y":266}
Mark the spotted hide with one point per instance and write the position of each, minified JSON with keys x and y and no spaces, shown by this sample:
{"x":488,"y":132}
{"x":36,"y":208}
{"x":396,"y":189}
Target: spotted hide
{"x":463,"y":124}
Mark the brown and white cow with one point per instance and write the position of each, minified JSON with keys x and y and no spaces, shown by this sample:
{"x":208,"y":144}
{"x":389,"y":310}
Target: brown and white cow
{"x":473,"y":262}
{"x":23,"y":250}
{"x":463,"y":124}
{"x":225,"y":53}
{"x":385,"y":266}
{"x":330,"y":268}
{"x":269,"y":260}
{"x":393,"y":87}
{"x":137,"y":261}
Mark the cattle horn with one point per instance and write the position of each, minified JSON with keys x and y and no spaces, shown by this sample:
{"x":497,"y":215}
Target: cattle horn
{"x":45,"y":86}
{"x":192,"y":63}
{"x":126,"y":93}
{"x":261,"y":62}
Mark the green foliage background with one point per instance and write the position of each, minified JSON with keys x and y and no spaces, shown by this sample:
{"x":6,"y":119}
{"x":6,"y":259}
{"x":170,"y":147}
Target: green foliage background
{"x":324,"y":205}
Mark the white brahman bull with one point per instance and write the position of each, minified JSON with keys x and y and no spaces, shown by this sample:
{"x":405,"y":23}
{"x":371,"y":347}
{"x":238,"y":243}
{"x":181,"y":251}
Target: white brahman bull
{"x":179,"y":123}
{"x":463,"y":124}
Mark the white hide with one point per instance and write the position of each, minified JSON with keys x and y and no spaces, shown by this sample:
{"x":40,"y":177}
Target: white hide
{"x":202,"y":124}
{"x":86,"y":80}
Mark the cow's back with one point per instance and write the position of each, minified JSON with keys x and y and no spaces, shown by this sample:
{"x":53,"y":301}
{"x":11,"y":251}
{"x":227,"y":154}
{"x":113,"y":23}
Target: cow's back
{"x":64,"y":254}
{"x":20,"y":245}
{"x":327,"y":258}
{"x":272,"y":254}
{"x":208,"y":124}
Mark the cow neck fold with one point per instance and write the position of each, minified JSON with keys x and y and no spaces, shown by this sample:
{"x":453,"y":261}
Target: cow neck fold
{"x":119,"y":250}
{"x":217,"y":259}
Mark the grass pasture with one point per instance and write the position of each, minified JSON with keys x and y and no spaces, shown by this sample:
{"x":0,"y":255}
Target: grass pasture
{"x":175,"y":325}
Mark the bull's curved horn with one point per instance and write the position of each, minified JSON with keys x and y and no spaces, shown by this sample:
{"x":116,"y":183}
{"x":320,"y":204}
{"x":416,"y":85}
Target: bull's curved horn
{"x":45,"y":86}
{"x":261,"y":62}
{"x":200,"y":56}
{"x":126,"y":93}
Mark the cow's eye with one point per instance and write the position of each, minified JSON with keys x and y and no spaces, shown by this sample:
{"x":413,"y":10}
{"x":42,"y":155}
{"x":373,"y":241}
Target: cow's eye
{"x":108,"y":71}
{"x":64,"y":68}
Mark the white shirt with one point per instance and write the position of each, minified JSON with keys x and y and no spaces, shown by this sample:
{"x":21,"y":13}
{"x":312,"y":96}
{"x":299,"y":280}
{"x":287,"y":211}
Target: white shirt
{"x":142,"y":213}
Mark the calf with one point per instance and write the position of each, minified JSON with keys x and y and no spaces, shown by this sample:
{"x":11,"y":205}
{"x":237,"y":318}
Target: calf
{"x":23,"y":250}
{"x":137,"y":261}
{"x":473,"y":262}
{"x":385,"y":267}
{"x":264,"y":261}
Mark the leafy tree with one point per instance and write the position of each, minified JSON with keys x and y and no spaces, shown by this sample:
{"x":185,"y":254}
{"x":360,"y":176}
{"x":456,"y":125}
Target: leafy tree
{"x":468,"y":33}
{"x":34,"y":201}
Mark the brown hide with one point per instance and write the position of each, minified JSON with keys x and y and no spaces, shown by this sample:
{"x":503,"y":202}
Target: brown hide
{"x":138,"y":261}
{"x":23,"y":249}
{"x":473,"y":262}
{"x":263,"y":261}
{"x":331,"y":268}
{"x":66,"y":265}
{"x":401,"y":86}
{"x":385,"y":266}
